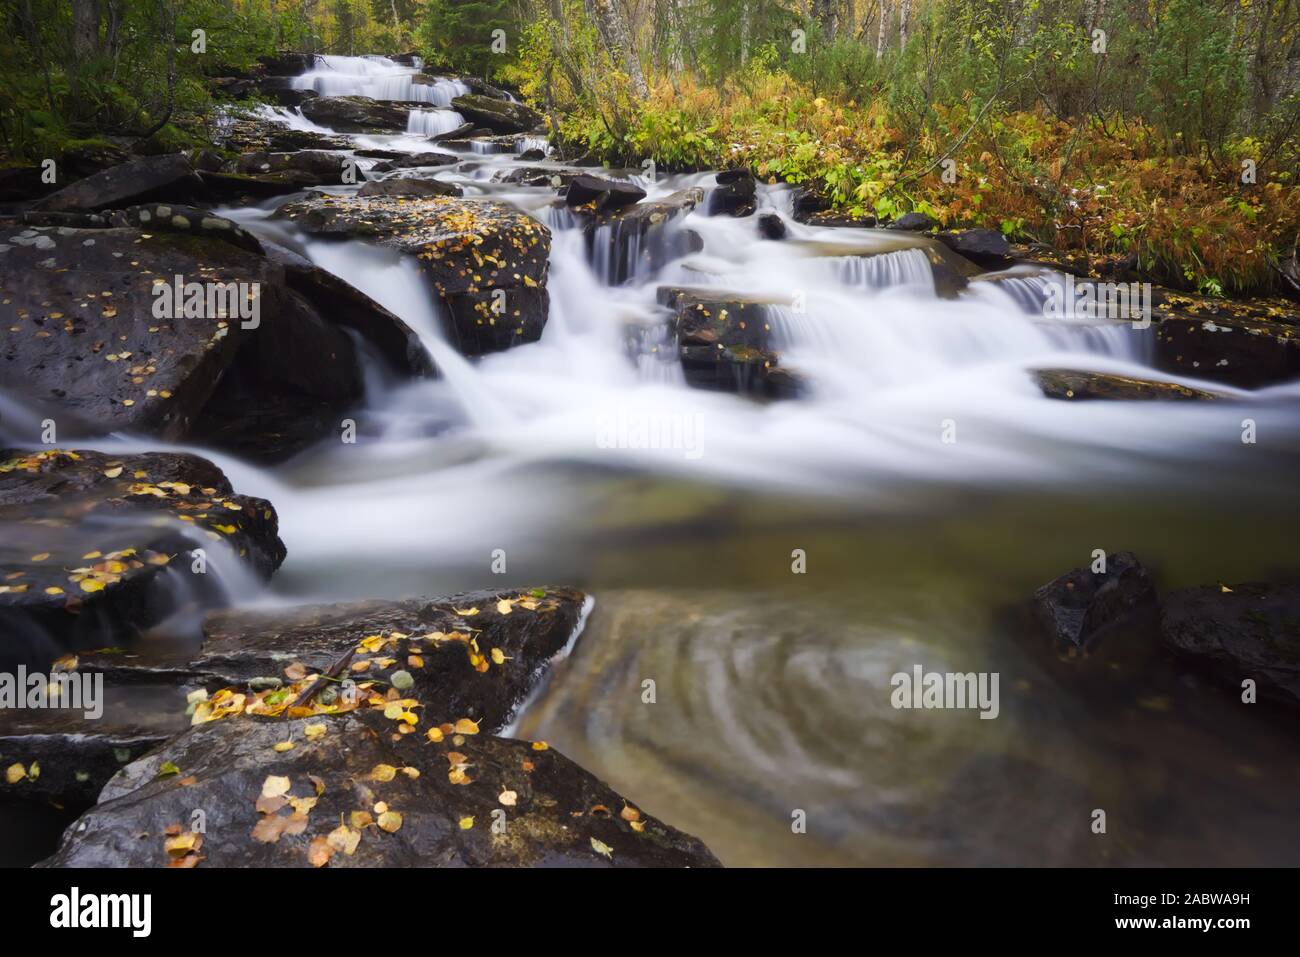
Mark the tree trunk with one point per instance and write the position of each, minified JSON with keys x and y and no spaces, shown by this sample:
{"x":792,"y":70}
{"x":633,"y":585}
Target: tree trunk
{"x":85,"y":28}
{"x":618,"y":41}
{"x":903,"y":13}
{"x":881,"y":35}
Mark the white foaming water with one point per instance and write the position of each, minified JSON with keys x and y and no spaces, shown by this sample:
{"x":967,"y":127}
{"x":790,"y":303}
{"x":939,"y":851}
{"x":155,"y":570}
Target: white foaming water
{"x":888,"y":363}
{"x":433,"y":122}
{"x":378,"y":78}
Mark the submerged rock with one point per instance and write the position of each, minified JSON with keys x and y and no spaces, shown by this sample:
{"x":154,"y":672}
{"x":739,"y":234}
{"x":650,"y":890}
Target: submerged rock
{"x":1078,"y":607}
{"x":487,"y":261}
{"x":352,"y":792}
{"x":89,"y":539}
{"x":1073,"y":385}
{"x":500,"y":116}
{"x":1239,"y":632}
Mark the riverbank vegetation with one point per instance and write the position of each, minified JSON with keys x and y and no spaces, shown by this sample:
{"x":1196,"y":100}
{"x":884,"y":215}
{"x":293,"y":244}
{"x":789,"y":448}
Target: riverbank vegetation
{"x":1161,"y":135}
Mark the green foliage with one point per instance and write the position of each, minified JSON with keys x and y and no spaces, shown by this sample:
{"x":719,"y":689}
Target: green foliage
{"x":459,"y":35}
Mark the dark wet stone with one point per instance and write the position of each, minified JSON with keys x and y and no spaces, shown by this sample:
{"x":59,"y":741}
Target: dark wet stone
{"x":460,"y":132}
{"x":500,"y":116}
{"x":1077,"y":608}
{"x":303,"y":167}
{"x":645,"y":236}
{"x":839,"y":218}
{"x":1074,"y":385}
{"x":119,"y":367}
{"x":470,"y":249}
{"x":286,"y":63}
{"x":724,"y":343}
{"x":601,"y":194}
{"x":409,"y":187}
{"x":1239,"y":632}
{"x":554,"y":176}
{"x":250,"y":651}
{"x":771,"y":226}
{"x":357,"y":114}
{"x":124,"y":184}
{"x":734,"y":194}
{"x":913,"y":222}
{"x":415,"y":160}
{"x":987,"y":247}
{"x":140,"y":513}
{"x":18,"y":183}
{"x":549,"y":811}
{"x":1246,"y":344}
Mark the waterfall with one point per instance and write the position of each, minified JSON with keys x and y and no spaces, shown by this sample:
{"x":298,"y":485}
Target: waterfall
{"x":378,"y":78}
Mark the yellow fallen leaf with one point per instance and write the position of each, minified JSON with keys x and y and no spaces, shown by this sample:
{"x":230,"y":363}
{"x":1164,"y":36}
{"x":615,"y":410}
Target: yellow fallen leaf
{"x":114,"y":472}
{"x":282,"y":746}
{"x":508,"y":798}
{"x":466,"y":823}
{"x":600,"y":847}
{"x":275,"y":786}
{"x":505,"y":606}
{"x":435,"y":735}
{"x":15,"y":773}
{"x":390,"y":821}
{"x":314,"y":731}
{"x":383,"y":772}
{"x":463,"y":612}
{"x":90,"y":584}
{"x":466,"y":726}
{"x":319,"y":851}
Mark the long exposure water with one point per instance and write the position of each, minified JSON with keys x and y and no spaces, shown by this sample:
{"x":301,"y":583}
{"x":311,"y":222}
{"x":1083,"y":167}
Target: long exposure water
{"x":925,"y":479}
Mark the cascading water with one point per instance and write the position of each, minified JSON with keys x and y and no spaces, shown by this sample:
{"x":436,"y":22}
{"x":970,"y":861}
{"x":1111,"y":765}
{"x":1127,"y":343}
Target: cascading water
{"x":773,"y":686}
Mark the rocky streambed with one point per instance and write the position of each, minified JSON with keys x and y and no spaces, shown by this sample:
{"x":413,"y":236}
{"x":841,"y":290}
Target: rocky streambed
{"x":384,"y":344}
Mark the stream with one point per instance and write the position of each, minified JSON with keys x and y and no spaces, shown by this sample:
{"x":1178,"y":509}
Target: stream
{"x":771,"y":689}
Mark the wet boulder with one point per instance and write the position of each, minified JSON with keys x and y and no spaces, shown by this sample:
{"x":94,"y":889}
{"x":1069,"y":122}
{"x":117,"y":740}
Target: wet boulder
{"x":126,"y":183}
{"x":357,"y":114}
{"x":734,"y":194}
{"x":643,"y":237}
{"x":1074,"y":386}
{"x":1079,"y":606}
{"x":724,"y":343}
{"x":352,"y":792}
{"x":487,"y":261}
{"x":460,"y":132}
{"x":99,"y":334}
{"x":1239,"y":632}
{"x":913,"y":223}
{"x":554,"y":176}
{"x":771,"y":226}
{"x":600,"y":194}
{"x":96,"y":546}
{"x":396,"y":342}
{"x":1246,"y":344}
{"x":476,"y":656}
{"x":500,"y":116}
{"x":415,"y":161}
{"x":302,"y":168}
{"x":986,"y":247}
{"x":286,"y":63}
{"x":401,"y":186}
